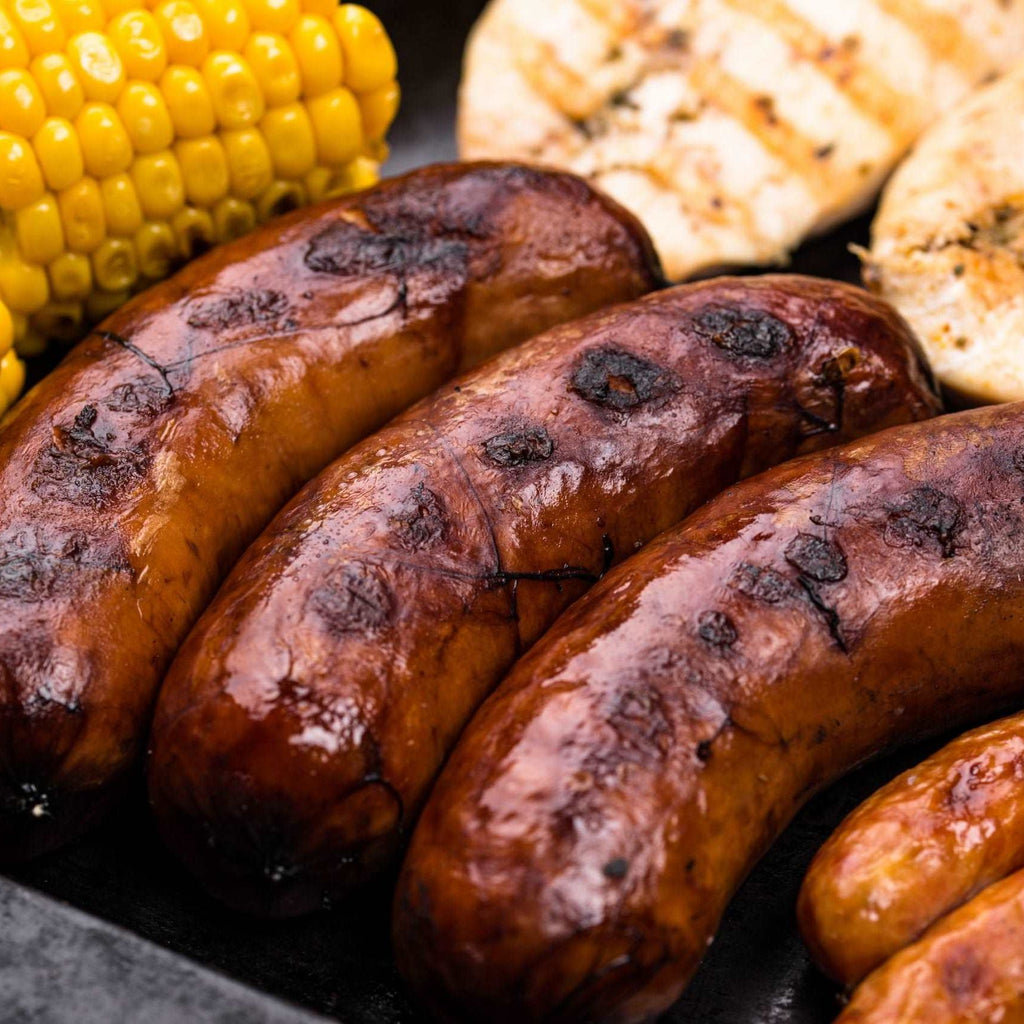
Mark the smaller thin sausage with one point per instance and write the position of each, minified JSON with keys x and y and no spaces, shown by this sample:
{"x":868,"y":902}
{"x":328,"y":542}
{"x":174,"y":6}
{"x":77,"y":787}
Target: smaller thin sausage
{"x":917,"y":849}
{"x":968,"y":969}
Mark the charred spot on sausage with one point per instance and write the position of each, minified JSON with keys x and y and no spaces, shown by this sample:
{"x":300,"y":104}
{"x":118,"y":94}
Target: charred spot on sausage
{"x":518,"y":447}
{"x":925,"y":516}
{"x":421,"y":520}
{"x":144,"y":397}
{"x":717,"y":629}
{"x":615,"y":379}
{"x":816,"y":558}
{"x":353,"y":599}
{"x":255,"y":306}
{"x":616,"y":869}
{"x":747,"y":333}
{"x":762,"y":583}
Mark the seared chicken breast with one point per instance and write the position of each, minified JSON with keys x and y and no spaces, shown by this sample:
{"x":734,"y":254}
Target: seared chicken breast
{"x":733,"y":128}
{"x":948,"y":243}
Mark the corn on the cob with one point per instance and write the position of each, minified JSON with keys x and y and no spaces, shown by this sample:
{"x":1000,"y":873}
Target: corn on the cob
{"x":136,"y":133}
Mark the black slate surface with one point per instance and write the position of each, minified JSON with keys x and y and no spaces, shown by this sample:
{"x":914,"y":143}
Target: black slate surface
{"x":58,"y":966}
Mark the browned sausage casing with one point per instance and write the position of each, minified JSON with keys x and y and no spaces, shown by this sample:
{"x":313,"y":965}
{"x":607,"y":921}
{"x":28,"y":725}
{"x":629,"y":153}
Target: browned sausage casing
{"x":302,"y":724}
{"x":593,"y":822}
{"x":917,"y":849}
{"x":134,"y":475}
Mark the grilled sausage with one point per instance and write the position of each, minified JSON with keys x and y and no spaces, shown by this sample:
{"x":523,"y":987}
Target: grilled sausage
{"x":133,"y":476}
{"x":595,"y":818}
{"x":967,"y":969}
{"x":919,"y":848}
{"x":300,"y":728}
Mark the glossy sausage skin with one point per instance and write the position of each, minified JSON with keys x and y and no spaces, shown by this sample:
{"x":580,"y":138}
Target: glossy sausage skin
{"x":301,"y":727}
{"x":597,"y":815}
{"x":917,"y":849}
{"x":133,"y":476}
{"x":967,"y":969}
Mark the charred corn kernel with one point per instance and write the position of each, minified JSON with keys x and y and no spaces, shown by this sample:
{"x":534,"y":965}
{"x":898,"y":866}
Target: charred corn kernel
{"x":59,"y":154}
{"x":379,"y":109}
{"x":318,"y":53}
{"x":158,"y":182}
{"x":370,"y":60}
{"x":70,"y":276}
{"x":98,"y":66}
{"x":249,"y":167}
{"x":106,"y":148}
{"x":13,"y":48}
{"x":204,"y":170}
{"x":145,"y":117}
{"x":114,"y":264}
{"x":136,"y":37}
{"x":189,"y":102}
{"x":39,"y":24}
{"x":60,"y":321}
{"x":101,"y":304}
{"x":317,"y":182}
{"x":22,"y":109}
{"x":274,"y":66}
{"x":289,"y":135}
{"x":183,"y":31}
{"x":155,"y":249}
{"x":282,"y":197}
{"x":81,"y":212}
{"x":21,"y":181}
{"x":226,"y":21}
{"x":6,"y":329}
{"x":193,"y":230}
{"x":233,"y":218}
{"x":61,"y":91}
{"x":234,"y":91}
{"x":80,"y":15}
{"x":323,"y":8}
{"x":23,"y":287}
{"x":12,"y":379}
{"x":273,"y":15}
{"x":39,"y":230}
{"x":122,"y":210}
{"x":337,"y":126}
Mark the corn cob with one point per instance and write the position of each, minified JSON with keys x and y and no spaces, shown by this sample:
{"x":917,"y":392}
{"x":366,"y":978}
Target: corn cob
{"x":134,"y":136}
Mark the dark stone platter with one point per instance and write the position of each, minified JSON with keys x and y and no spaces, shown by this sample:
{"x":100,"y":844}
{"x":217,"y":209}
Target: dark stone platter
{"x":112,"y":930}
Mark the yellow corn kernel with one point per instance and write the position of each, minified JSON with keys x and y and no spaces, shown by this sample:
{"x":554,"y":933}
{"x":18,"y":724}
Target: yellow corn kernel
{"x":116,"y":7}
{"x":183,"y":31}
{"x":21,"y":181}
{"x":122,"y":210}
{"x":39,"y":231}
{"x":204,"y":169}
{"x":318,"y":52}
{"x":13,"y":48}
{"x":226,"y":21}
{"x":289,"y":135}
{"x":282,"y":197}
{"x":22,"y":109}
{"x":156,"y":249}
{"x":114,"y":264}
{"x":81,"y":211}
{"x":40,"y":26}
{"x":274,"y":66}
{"x":80,"y":15}
{"x":106,"y":148}
{"x":98,"y":66}
{"x":70,"y":276}
{"x":370,"y":59}
{"x":322,"y":8}
{"x":249,"y":168}
{"x":337,"y":126}
{"x":145,"y":116}
{"x":6,"y":329}
{"x":188,"y":100}
{"x":12,"y":377}
{"x":23,"y":287}
{"x":273,"y":15}
{"x":317,"y":182}
{"x":60,"y":321}
{"x":29,"y":343}
{"x":101,"y":304}
{"x":62,"y":92}
{"x":236,"y":96}
{"x":354,"y":177}
{"x":58,"y":152}
{"x":158,"y":183}
{"x":233,"y":218}
{"x":136,"y":37}
{"x":379,"y":109}
{"x":193,"y":230}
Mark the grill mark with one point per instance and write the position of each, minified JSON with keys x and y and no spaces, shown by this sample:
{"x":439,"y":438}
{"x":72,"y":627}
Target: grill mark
{"x":940,"y":34}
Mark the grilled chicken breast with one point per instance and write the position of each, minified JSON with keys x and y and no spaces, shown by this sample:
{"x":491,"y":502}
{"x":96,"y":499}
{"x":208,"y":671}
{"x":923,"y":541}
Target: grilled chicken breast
{"x":734,"y":128}
{"x":948,"y":243}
